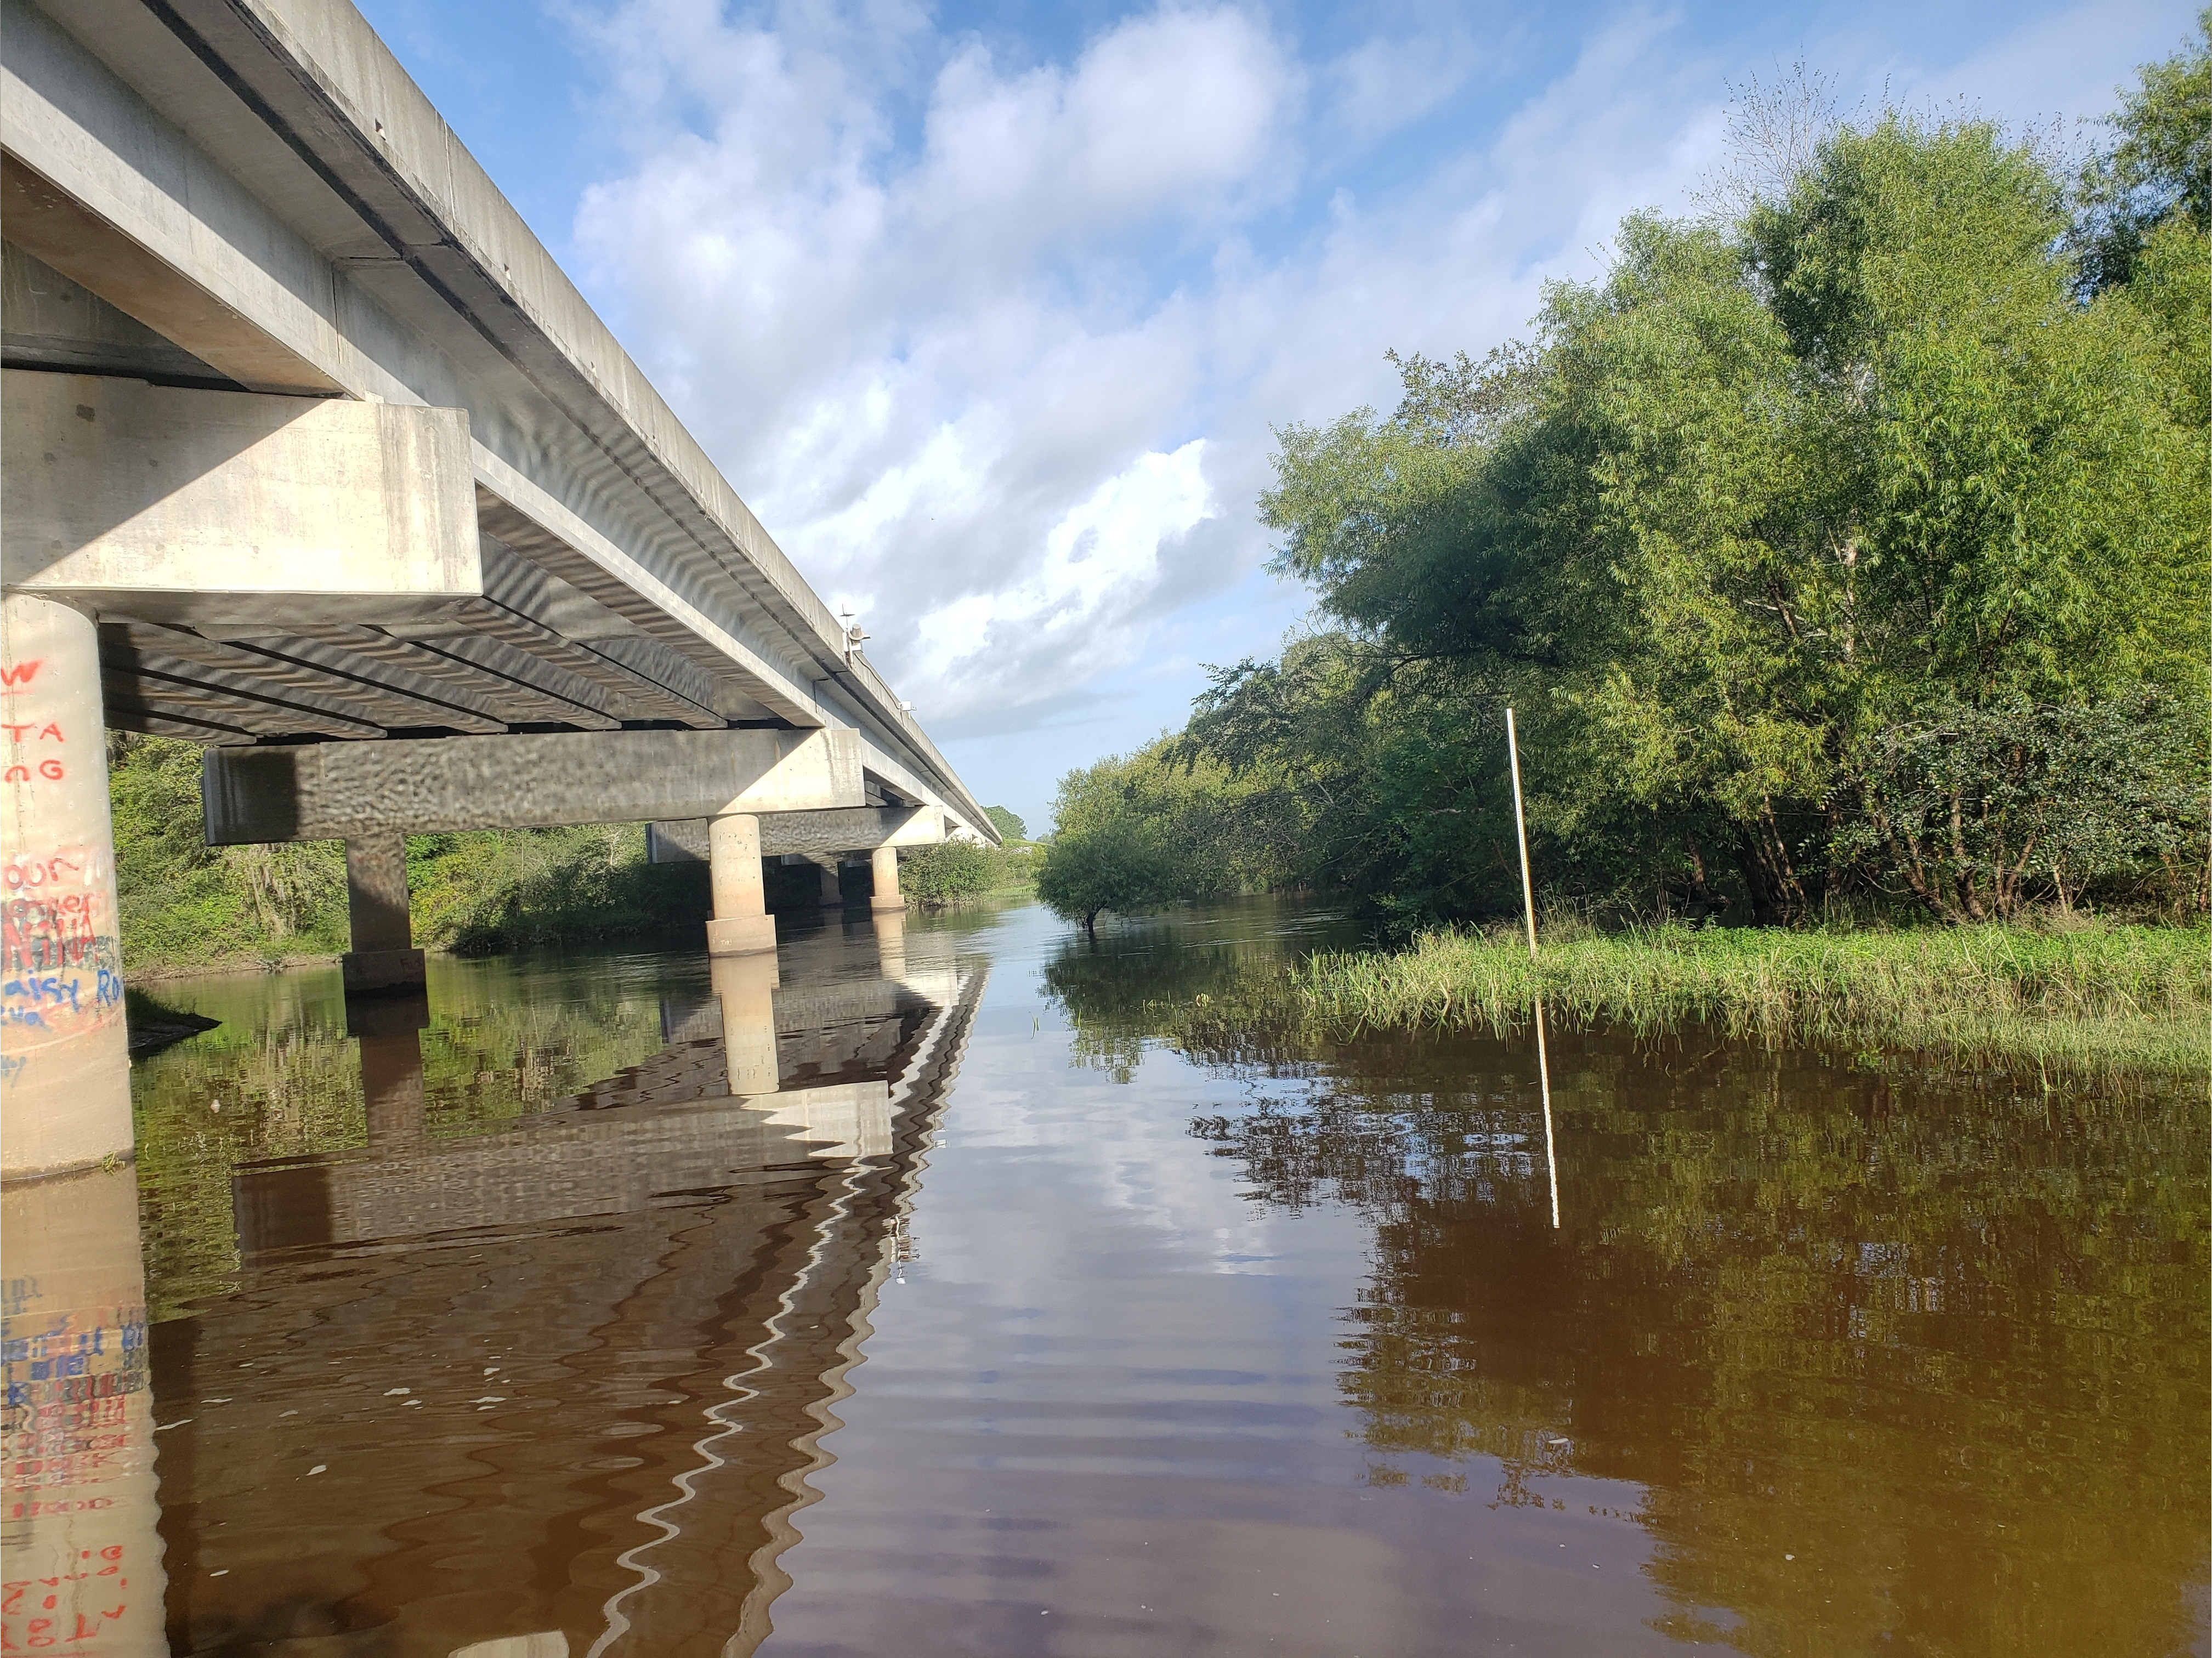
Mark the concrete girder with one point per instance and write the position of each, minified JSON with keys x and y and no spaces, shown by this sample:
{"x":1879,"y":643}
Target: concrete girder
{"x":410,"y":701}
{"x":198,"y":507}
{"x":179,"y":655}
{"x":197,"y":694}
{"x":539,"y":610}
{"x":177,"y":658}
{"x":656,"y":671}
{"x":432,"y":675}
{"x":337,"y":791}
{"x":644,"y":698}
{"x":807,"y":833}
{"x":126,"y":711}
{"x":63,"y":327}
{"x":539,"y":529}
{"x":59,"y":230}
{"x":525,"y":678}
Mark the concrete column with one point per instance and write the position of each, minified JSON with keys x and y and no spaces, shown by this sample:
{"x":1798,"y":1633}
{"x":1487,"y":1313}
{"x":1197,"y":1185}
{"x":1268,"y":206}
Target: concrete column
{"x":77,"y":1459}
{"x":833,"y":896}
{"x":742,"y":925}
{"x":65,"y":1058}
{"x":383,"y":956}
{"x":746,"y":986}
{"x":885,"y":860}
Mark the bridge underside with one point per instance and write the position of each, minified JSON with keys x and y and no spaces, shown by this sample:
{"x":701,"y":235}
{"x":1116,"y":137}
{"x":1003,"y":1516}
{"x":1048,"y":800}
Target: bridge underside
{"x":313,"y":455}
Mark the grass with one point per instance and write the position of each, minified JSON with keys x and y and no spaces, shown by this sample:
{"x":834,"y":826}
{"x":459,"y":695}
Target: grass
{"x":2093,"y":995}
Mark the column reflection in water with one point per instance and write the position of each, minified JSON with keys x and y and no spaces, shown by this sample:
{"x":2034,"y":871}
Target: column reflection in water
{"x":554,"y":1387}
{"x":746,"y":986}
{"x":891,"y":943}
{"x":83,"y":1557}
{"x":387,"y":1029}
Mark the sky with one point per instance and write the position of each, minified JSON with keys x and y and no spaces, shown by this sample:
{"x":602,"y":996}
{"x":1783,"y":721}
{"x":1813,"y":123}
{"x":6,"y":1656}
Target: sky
{"x":991,"y":311}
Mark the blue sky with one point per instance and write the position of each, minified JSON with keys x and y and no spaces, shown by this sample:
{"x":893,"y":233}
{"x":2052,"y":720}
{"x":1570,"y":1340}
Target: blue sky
{"x":990,"y":311}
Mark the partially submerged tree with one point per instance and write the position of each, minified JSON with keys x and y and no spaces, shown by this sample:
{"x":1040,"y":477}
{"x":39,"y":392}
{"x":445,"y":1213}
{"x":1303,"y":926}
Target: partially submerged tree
{"x":939,"y":876}
{"x":1130,"y":833}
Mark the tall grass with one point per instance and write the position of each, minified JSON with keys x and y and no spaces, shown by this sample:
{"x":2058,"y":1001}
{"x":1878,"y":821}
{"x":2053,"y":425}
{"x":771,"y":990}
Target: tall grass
{"x":2091,"y":995}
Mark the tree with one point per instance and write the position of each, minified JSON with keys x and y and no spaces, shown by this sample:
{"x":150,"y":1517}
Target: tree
{"x":1112,"y":860}
{"x":1009,"y":827}
{"x":1788,"y":483}
{"x":2159,"y":171}
{"x":938,"y":876}
{"x":1969,"y":807}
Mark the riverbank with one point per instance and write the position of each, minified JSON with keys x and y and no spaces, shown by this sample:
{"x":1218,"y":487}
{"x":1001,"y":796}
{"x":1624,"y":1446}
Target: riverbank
{"x":2094,"y":995}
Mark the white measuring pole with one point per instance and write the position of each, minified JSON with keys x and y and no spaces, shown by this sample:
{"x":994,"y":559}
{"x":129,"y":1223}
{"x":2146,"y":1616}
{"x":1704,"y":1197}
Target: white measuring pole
{"x":1528,"y":909}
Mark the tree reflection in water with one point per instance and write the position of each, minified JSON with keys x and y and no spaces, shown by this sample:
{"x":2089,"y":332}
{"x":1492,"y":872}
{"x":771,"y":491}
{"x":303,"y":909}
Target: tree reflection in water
{"x":1902,"y":1360}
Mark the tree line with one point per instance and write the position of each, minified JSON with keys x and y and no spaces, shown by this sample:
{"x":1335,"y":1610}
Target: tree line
{"x":1845,"y":545}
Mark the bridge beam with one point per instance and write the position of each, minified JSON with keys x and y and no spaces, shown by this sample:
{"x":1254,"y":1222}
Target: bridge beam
{"x":812,"y":834}
{"x":343,"y":791}
{"x":232,"y":506}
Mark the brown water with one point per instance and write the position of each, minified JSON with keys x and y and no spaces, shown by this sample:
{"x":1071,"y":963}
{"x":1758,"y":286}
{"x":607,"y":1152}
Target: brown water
{"x":1003,"y":1327}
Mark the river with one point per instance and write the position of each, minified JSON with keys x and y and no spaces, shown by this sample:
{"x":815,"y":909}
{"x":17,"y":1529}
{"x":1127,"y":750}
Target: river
{"x":1005,"y":1327}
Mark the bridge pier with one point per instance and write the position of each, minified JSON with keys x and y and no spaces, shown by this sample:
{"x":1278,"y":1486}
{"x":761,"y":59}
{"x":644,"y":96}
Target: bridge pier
{"x":65,"y":1061}
{"x":833,"y":896}
{"x":742,"y":925}
{"x":884,"y":861}
{"x":383,"y":956}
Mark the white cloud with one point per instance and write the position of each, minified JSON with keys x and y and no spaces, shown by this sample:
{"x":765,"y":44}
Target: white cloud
{"x":1100,"y":560}
{"x":994,"y":349}
{"x":942,"y":372}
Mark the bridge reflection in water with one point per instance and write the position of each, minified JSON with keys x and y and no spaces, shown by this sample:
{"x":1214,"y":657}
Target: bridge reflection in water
{"x":556,"y":1388}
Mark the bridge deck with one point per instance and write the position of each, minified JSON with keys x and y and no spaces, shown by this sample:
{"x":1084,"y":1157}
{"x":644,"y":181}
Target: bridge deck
{"x":225,"y":198}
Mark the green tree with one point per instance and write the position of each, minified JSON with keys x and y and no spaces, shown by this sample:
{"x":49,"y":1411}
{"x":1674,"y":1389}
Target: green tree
{"x":1782,"y":487}
{"x":1009,"y":827}
{"x":1112,"y":860}
{"x":182,"y":901}
{"x":939,"y":876}
{"x":1168,"y":822}
{"x":2158,"y":173}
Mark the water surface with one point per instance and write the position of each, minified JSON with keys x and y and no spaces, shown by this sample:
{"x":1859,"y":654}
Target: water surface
{"x":1004,"y":1326}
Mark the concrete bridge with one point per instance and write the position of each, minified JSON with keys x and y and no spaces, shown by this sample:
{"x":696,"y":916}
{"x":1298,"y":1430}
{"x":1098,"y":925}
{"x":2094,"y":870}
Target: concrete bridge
{"x":313,"y":455}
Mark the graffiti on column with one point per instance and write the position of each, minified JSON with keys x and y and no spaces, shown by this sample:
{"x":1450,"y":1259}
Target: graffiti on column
{"x":75,"y":1453}
{"x":60,"y":964}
